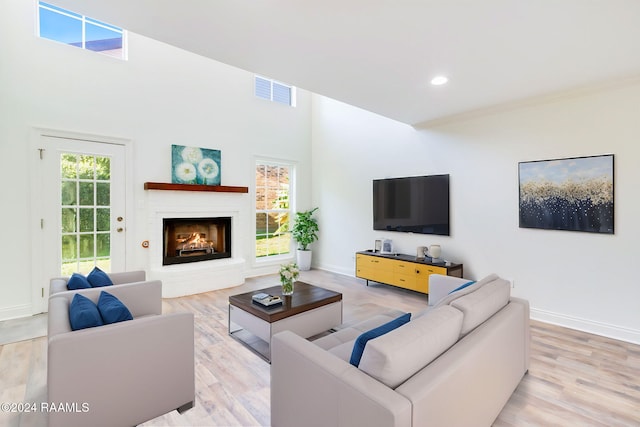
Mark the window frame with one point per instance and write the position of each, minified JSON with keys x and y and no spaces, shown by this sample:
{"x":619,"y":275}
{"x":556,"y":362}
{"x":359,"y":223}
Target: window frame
{"x":272,"y":83}
{"x":84,"y":21}
{"x":282,"y":257}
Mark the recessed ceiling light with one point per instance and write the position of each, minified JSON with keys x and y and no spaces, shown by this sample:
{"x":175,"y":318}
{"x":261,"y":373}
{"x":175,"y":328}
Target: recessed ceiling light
{"x":439,"y":80}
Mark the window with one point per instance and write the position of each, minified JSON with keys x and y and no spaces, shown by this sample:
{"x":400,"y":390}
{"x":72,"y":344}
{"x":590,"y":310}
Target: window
{"x":273,"y":209}
{"x":85,"y":212}
{"x":273,"y":91}
{"x":71,"y":28}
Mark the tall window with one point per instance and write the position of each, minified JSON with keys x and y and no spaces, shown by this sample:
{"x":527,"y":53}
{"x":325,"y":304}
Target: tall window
{"x":272,"y":90}
{"x":273,"y":209}
{"x":85,"y":212}
{"x":71,"y":28}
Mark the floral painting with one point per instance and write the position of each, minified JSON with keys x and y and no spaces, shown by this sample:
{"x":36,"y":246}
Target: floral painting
{"x":567,"y":194}
{"x":193,"y":165}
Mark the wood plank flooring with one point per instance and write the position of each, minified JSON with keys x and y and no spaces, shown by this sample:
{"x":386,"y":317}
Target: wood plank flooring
{"x":575,"y":378}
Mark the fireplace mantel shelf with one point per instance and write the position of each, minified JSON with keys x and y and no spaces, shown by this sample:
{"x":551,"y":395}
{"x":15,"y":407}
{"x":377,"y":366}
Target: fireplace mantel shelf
{"x":194,"y":187}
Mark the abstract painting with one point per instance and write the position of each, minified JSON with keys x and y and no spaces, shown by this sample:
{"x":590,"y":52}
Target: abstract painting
{"x":573,"y":194}
{"x":192,"y":165}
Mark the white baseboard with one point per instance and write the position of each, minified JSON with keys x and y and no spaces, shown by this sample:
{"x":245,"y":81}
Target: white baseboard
{"x":585,"y":325}
{"x":15,"y":312}
{"x":335,"y":269}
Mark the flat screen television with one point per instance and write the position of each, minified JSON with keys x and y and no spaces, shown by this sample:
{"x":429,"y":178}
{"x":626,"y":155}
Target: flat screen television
{"x":417,"y":204}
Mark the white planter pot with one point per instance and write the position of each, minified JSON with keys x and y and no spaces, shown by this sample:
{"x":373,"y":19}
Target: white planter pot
{"x":304,"y":260}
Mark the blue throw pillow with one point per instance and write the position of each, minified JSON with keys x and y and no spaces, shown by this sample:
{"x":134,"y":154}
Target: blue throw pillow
{"x":462,"y":287}
{"x":98,"y":278}
{"x":112,"y":309}
{"x":361,"y":341}
{"x":83,"y":313}
{"x":77,"y":281}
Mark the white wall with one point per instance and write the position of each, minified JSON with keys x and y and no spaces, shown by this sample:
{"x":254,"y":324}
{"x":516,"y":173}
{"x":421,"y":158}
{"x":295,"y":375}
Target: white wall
{"x":582,"y":280}
{"x":161,"y":96}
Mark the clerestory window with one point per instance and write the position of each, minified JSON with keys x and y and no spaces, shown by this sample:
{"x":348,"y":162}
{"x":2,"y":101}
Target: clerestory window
{"x":272,"y":90}
{"x":64,"y":26}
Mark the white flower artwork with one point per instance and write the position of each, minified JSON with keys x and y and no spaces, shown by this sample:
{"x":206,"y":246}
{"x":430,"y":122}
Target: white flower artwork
{"x":193,"y":165}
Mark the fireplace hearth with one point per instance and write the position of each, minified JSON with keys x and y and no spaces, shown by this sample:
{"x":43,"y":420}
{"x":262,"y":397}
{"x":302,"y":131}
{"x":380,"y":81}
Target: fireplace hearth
{"x":196,"y":239}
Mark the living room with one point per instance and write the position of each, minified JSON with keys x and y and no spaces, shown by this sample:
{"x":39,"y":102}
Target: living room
{"x":164,"y":95}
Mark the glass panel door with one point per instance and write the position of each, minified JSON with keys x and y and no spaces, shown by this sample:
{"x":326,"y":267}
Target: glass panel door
{"x":81,"y":200}
{"x":85,"y":211}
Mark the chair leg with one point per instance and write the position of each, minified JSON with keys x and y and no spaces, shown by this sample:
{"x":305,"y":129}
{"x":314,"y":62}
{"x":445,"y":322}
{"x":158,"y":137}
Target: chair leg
{"x":185,"y":407}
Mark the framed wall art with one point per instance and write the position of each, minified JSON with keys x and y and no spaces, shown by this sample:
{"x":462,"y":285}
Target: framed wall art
{"x":193,"y":165}
{"x":573,"y":194}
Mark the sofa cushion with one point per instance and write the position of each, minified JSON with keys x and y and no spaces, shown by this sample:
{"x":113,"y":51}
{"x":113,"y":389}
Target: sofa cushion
{"x":77,"y":281}
{"x":349,"y":333}
{"x":83,"y":313}
{"x":98,"y":278}
{"x":361,"y":342}
{"x":478,"y":306}
{"x":397,"y":355}
{"x":471,"y":288}
{"x":112,"y":309}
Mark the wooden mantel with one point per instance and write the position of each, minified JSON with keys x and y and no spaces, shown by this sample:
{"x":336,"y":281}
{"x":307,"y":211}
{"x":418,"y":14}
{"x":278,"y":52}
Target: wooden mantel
{"x":194,"y":187}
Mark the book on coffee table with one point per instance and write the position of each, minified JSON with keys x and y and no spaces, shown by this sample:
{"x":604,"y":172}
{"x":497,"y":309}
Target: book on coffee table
{"x":266,"y":299}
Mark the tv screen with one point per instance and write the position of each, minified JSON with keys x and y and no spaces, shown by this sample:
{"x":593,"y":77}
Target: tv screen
{"x":418,"y":204}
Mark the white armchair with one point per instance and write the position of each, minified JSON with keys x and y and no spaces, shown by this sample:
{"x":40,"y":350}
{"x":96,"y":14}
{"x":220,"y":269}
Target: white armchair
{"x":440,"y":286}
{"x":123,"y":373}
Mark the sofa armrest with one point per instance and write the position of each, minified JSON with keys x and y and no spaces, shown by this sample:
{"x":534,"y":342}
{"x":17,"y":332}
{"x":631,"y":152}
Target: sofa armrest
{"x":57,"y":285}
{"x":312,"y":387}
{"x":440,"y":286}
{"x":126,"y":372}
{"x":141,"y":298}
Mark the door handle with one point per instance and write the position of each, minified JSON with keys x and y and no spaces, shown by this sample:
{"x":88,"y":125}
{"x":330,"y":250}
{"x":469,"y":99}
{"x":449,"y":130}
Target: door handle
{"x":119,"y":229}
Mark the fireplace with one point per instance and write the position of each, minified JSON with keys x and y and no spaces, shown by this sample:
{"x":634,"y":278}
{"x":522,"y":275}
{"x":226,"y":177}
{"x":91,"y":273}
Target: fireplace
{"x":196,"y":239}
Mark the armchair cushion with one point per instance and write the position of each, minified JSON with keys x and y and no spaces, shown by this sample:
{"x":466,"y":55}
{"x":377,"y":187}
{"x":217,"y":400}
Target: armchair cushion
{"x":98,"y":278}
{"x":112,"y":309}
{"x":77,"y":281}
{"x":361,"y":341}
{"x":83,"y":313}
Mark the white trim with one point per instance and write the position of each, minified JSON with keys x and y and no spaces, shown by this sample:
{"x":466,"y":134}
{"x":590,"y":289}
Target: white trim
{"x":37,"y":208}
{"x":16,"y":312}
{"x":292,"y":90}
{"x":269,"y":265}
{"x":586,"y":325}
{"x":84,"y":20}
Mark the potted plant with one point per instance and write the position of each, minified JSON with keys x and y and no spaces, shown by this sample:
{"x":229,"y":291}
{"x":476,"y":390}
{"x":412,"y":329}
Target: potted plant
{"x":304,"y":231}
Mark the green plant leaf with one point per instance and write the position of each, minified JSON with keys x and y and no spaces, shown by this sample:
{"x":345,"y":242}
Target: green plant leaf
{"x":305,"y":229}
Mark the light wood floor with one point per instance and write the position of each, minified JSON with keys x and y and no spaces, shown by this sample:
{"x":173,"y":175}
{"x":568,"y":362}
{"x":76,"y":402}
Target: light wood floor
{"x":575,"y":379}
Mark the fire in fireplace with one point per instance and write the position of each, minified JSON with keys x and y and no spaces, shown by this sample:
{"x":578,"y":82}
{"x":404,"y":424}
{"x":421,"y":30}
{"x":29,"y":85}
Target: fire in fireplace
{"x":196,"y":239}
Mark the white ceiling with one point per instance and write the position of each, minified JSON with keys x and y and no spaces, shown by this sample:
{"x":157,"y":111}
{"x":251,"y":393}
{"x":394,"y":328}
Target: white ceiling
{"x":381,"y":55}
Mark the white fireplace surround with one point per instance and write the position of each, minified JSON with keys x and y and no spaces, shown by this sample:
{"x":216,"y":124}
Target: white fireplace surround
{"x":196,"y":277}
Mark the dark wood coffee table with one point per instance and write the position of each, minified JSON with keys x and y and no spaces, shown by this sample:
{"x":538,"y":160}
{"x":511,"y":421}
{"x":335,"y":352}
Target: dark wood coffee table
{"x":309,"y":311}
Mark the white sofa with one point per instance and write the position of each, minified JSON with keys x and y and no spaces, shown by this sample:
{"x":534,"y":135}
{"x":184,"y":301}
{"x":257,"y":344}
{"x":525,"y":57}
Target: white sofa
{"x":454,"y":364}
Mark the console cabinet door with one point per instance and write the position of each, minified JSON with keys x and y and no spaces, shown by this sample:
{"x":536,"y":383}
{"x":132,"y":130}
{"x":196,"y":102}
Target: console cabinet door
{"x":404,"y":275}
{"x":374,"y":268}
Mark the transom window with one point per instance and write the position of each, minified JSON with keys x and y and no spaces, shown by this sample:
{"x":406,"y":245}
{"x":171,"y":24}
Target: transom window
{"x":273,"y":209}
{"x":64,"y":26}
{"x":272,"y":90}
